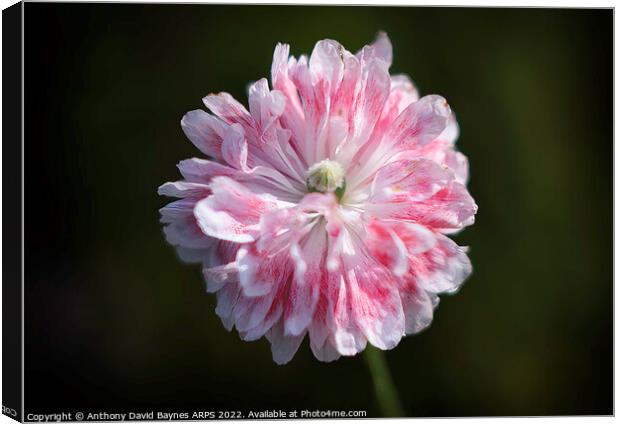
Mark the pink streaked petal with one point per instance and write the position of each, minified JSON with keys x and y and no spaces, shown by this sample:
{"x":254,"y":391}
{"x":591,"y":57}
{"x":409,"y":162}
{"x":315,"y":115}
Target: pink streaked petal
{"x":374,"y":96}
{"x":420,"y":123}
{"x":273,"y":315}
{"x":347,"y":336}
{"x":459,"y":164}
{"x":318,"y":330}
{"x":273,"y":225}
{"x":235,"y":147}
{"x":259,"y":273}
{"x":229,"y":110}
{"x":267,"y":176}
{"x":394,"y":243}
{"x":337,"y":133}
{"x":315,"y":102}
{"x":204,"y":131}
{"x":184,"y":189}
{"x":417,"y":238}
{"x":319,"y":334}
{"x":451,"y":208}
{"x":283,"y":347}
{"x":280,"y":154}
{"x":327,"y":352}
{"x":321,"y":203}
{"x":293,"y":116}
{"x":220,"y":268}
{"x":367,"y":109}
{"x":281,"y":228}
{"x":265,"y":106}
{"x":443,"y":268}
{"x":308,"y":279}
{"x":376,"y":304}
{"x":403,"y":92}
{"x":451,"y":133}
{"x":418,"y":306}
{"x":381,"y":48}
{"x":188,"y":234}
{"x":342,"y":111}
{"x":427,"y":195}
{"x":202,"y":171}
{"x":227,"y":298}
{"x":260,"y":178}
{"x":218,"y":276}
{"x":177,"y":210}
{"x":250,"y":312}
{"x":232,"y":212}
{"x":442,"y":153}
{"x":181,"y":228}
{"x":407,"y":181}
{"x":261,"y":329}
{"x":387,"y":247}
{"x":326,"y":64}
{"x":336,"y":244}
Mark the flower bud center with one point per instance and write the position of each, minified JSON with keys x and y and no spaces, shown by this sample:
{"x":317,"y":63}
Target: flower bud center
{"x":326,"y":176}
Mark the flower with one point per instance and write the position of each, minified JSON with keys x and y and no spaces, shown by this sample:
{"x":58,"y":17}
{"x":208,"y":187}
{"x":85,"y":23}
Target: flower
{"x":324,"y":209}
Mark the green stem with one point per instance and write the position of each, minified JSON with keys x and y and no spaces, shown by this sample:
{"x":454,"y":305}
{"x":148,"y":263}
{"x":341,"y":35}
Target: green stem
{"x":386,"y":393}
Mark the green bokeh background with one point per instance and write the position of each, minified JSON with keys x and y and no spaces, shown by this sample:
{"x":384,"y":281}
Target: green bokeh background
{"x":114,"y":321}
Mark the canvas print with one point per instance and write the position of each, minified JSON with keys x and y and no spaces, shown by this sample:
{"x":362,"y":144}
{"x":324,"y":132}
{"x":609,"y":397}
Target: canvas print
{"x":299,"y":211}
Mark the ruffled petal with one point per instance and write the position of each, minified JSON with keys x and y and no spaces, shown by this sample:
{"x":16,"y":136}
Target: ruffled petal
{"x":441,"y":269}
{"x":293,"y":115}
{"x":403,"y":92}
{"x":367,"y":110}
{"x":182,"y":231}
{"x":229,"y":110}
{"x":383,"y":47}
{"x":421,"y":191}
{"x":347,"y":336}
{"x":202,"y":171}
{"x":408,"y":180}
{"x":232,"y":212}
{"x":420,"y":123}
{"x":326,"y":352}
{"x":376,"y":304}
{"x":326,"y":64}
{"x":205,"y":132}
{"x":265,"y":106}
{"x":451,"y":208}
{"x":308,"y":279}
{"x":184,"y":189}
{"x":260,"y":273}
{"x":387,"y":247}
{"x":235,"y":147}
{"x":418,"y":306}
{"x":442,"y":150}
{"x":283,"y":346}
{"x":392,"y":243}
{"x":250,"y":312}
{"x":227,"y":298}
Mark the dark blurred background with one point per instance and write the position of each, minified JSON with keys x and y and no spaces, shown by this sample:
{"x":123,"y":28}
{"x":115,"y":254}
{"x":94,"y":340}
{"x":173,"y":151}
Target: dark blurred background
{"x":114,"y":321}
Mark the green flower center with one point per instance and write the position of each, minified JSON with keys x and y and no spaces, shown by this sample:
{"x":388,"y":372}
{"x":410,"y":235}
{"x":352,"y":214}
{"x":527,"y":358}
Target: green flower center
{"x":326,"y":176}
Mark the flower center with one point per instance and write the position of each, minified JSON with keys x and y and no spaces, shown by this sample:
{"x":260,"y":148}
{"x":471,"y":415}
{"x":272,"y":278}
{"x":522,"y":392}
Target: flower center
{"x":326,"y":176}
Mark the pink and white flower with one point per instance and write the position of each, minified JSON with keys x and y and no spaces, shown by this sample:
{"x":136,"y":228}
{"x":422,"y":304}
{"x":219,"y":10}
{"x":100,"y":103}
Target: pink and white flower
{"x":323,"y":209}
